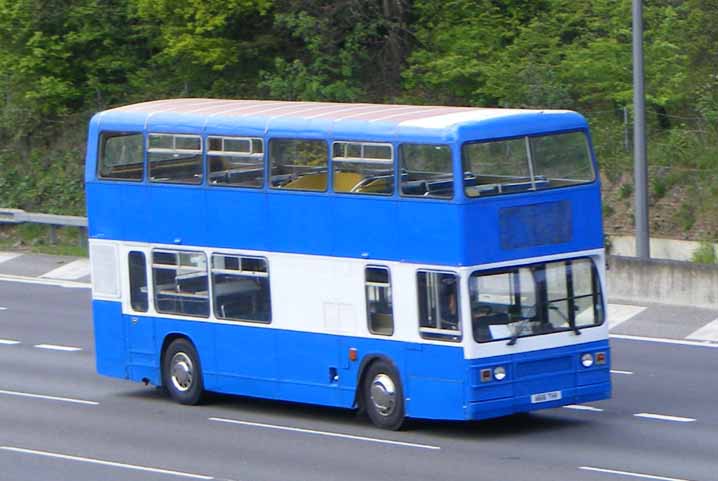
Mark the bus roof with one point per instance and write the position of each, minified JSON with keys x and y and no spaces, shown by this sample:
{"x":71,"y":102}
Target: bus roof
{"x":333,"y":117}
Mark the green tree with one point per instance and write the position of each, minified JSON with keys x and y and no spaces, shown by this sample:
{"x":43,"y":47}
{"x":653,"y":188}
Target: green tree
{"x":346,"y":50}
{"x":203,"y":47}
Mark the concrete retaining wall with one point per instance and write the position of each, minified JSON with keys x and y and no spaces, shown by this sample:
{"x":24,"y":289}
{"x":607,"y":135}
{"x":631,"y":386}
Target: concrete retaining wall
{"x":663,"y":281}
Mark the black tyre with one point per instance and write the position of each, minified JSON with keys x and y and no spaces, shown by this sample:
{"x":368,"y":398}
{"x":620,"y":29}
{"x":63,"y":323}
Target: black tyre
{"x":383,"y":396}
{"x":182,"y":372}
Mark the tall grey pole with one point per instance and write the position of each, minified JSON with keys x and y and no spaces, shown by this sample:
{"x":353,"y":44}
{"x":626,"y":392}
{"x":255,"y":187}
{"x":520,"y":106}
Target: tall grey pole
{"x":640,"y":167}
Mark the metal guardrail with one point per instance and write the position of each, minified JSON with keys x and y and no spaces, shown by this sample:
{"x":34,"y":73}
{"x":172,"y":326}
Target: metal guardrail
{"x":19,"y":216}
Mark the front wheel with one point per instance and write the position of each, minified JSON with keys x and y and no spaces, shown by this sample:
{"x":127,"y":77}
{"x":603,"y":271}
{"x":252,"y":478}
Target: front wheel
{"x":182,"y":372}
{"x":384,"y":396}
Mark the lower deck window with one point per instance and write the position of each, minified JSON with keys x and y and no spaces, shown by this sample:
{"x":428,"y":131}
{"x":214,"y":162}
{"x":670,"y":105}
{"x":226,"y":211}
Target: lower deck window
{"x":180,"y":282}
{"x":240,"y":286}
{"x":536,"y":299}
{"x":138,"y":281}
{"x":438,"y":305}
{"x":379,"y":308}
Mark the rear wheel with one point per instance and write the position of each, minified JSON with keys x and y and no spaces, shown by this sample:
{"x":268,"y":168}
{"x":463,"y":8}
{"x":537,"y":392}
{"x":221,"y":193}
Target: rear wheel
{"x":182,"y":372}
{"x":383,"y":396}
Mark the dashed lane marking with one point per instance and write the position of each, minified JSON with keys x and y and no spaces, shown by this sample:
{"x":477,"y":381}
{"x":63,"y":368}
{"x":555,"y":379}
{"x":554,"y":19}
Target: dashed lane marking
{"x":9,"y":342}
{"x":325,"y":433}
{"x":709,"y":332}
{"x":70,"y":271}
{"x":583,"y":407}
{"x":48,"y":398}
{"x":2,"y":308}
{"x":663,"y":417}
{"x":630,"y":474}
{"x":54,"y":347}
{"x":103,"y":462}
{"x":616,"y":371}
{"x":619,"y":313}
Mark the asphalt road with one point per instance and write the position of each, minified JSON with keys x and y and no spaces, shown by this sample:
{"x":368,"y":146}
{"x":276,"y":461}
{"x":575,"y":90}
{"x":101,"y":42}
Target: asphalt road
{"x":61,"y":421}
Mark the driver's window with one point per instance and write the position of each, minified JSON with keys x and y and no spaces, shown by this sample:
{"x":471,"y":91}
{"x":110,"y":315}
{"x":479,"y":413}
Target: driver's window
{"x":438,"y":305}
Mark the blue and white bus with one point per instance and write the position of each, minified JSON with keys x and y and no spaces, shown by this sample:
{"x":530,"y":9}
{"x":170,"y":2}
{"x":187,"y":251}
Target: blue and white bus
{"x":410,"y":261}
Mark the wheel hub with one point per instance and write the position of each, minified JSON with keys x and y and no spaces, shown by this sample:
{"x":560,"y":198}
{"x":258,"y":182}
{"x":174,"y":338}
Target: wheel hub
{"x":383,"y":394}
{"x":182,"y":371}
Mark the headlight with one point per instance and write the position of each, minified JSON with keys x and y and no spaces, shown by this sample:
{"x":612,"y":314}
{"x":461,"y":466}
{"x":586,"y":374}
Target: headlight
{"x":499,"y":373}
{"x":587,"y":360}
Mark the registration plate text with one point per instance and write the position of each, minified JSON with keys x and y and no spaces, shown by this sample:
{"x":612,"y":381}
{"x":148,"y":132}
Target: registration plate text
{"x":545,"y":397}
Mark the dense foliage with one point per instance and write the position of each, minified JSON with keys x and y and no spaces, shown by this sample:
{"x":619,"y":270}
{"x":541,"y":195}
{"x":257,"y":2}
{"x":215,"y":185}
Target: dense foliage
{"x":62,"y":60}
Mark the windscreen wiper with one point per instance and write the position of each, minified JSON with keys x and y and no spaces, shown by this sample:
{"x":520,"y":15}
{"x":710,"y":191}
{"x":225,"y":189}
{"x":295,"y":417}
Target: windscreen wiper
{"x":519,"y":329}
{"x":571,"y":320}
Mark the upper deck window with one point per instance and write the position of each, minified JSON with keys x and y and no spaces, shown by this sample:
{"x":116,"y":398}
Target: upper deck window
{"x":526,"y":163}
{"x":426,"y":171}
{"x":235,"y":161}
{"x":175,"y":158}
{"x":121,"y":156}
{"x":363,"y":168}
{"x":298,"y":164}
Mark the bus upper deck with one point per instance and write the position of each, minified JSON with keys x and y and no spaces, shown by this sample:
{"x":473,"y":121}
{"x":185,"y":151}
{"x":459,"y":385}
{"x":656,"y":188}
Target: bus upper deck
{"x":439,"y":185}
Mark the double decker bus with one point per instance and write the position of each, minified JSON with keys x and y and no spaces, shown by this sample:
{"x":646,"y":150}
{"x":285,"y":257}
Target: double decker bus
{"x":409,"y":261}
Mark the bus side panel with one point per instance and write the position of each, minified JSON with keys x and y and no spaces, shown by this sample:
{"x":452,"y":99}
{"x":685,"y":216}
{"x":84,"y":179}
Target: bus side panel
{"x":177,"y":215}
{"x":300,"y":222}
{"x":110,"y":345}
{"x":308,"y":367}
{"x":118,"y":211}
{"x":236,"y":220}
{"x":435,"y":382}
{"x":365,"y":227}
{"x":143,"y":358}
{"x":425,"y":224}
{"x":246,"y":361}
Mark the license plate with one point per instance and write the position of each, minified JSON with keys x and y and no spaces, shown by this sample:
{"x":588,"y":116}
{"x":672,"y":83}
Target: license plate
{"x":545,"y":397}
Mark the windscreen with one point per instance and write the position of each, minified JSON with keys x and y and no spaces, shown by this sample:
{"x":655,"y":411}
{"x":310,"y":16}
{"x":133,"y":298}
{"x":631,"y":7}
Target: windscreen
{"x":536,"y":299}
{"x":526,"y":163}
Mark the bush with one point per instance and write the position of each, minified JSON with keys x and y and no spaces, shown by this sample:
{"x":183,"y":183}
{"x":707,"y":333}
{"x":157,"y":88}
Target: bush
{"x":705,"y":254}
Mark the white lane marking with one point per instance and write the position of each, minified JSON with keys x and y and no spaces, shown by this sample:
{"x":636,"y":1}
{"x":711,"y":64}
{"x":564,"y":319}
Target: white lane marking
{"x":54,"y":347}
{"x":583,"y":407}
{"x":49,"y":398}
{"x":70,"y":271}
{"x":325,"y":433}
{"x":9,"y":342}
{"x":664,"y":341}
{"x":45,"y":282}
{"x":709,"y":332}
{"x":628,"y":473}
{"x":2,"y":308}
{"x":616,"y":371}
{"x":105,"y":463}
{"x":663,"y":417}
{"x":620,"y":313}
{"x":6,"y":256}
